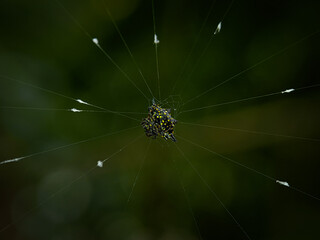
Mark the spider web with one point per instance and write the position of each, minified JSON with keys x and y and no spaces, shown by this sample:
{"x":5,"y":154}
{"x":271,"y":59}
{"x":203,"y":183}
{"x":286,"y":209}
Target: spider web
{"x":239,"y":126}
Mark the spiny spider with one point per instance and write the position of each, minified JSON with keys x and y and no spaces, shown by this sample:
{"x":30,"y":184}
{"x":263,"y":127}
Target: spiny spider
{"x":159,"y":122}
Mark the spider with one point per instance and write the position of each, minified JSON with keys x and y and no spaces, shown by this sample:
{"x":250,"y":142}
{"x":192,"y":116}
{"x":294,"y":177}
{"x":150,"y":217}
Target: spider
{"x":159,"y":122}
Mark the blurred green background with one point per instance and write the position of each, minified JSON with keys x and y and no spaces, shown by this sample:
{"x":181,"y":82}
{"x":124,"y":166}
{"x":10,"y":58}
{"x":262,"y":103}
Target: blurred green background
{"x":41,"y":45}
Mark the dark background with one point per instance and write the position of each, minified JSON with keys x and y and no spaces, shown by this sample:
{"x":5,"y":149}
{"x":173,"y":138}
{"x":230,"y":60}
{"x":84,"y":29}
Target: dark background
{"x":42,"y":197}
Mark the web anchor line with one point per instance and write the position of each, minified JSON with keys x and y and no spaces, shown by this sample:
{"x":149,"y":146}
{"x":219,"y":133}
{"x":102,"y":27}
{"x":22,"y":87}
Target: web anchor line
{"x":205,"y":49}
{"x":287,"y":91}
{"x":17,"y":159}
{"x":74,"y":110}
{"x":65,"y":187}
{"x":67,"y":97}
{"x":252,"y":67}
{"x":192,"y":48}
{"x":280,"y":182}
{"x":156,"y":42}
{"x":127,"y":47}
{"x":139,"y":171}
{"x":187,"y":198}
{"x":95,"y":41}
{"x":250,"y":131}
{"x":214,"y":193}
